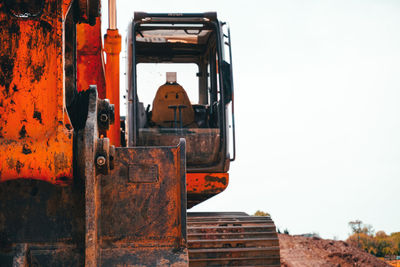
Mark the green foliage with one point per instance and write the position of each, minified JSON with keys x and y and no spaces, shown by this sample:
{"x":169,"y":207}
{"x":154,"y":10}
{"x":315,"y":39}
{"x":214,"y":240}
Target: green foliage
{"x":261,"y":213}
{"x":286,"y":231}
{"x":379,"y":244}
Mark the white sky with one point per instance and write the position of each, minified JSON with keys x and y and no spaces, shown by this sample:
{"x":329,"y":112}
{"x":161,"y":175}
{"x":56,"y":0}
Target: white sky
{"x":317,"y":92}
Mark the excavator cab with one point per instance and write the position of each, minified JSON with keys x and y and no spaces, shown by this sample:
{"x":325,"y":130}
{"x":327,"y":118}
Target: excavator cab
{"x":200,"y":110}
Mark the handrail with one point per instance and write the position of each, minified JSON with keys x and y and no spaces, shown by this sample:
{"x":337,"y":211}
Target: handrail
{"x":233,"y":98}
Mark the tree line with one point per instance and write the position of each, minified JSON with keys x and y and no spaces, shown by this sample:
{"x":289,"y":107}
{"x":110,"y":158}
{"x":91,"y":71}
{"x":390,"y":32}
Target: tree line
{"x":379,"y":244}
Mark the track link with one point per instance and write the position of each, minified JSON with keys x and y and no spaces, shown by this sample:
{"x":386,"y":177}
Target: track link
{"x":231,"y":239}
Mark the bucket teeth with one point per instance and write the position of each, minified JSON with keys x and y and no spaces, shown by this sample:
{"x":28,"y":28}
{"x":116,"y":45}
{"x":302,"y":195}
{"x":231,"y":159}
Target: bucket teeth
{"x":231,"y":239}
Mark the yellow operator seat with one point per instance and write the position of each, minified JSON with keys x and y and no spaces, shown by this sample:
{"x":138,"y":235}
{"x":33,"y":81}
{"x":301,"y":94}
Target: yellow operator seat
{"x":171,"y":104}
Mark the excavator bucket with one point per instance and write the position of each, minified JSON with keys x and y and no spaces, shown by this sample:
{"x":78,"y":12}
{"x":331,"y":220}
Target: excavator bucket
{"x":143,"y":208}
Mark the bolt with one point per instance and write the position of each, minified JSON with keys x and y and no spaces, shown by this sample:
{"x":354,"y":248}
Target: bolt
{"x":103,"y":117}
{"x":101,"y":160}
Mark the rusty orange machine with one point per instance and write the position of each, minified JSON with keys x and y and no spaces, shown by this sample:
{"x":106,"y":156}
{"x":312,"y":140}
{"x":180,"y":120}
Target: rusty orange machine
{"x":82,"y":186}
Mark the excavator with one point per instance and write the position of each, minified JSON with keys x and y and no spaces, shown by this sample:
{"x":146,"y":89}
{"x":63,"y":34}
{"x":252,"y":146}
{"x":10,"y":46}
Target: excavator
{"x":81,"y":185}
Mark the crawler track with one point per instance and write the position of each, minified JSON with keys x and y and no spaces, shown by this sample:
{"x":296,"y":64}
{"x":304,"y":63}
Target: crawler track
{"x":231,"y":239}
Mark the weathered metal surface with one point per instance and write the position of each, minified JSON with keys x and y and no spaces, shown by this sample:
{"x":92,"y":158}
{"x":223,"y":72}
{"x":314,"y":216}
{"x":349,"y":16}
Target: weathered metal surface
{"x":156,"y":256}
{"x":41,"y":255}
{"x":143,"y":209}
{"x":89,"y":58}
{"x":101,"y":219}
{"x":41,"y":224}
{"x":203,"y":145}
{"x":89,"y":10}
{"x":89,"y":150}
{"x":202,"y":186}
{"x":35,"y":131}
{"x":87,"y":141}
{"x":232,"y":239}
{"x":56,"y":225}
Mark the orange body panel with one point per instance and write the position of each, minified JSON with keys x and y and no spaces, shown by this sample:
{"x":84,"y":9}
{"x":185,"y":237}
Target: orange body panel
{"x":36,"y":136}
{"x":112,"y":47}
{"x":90,"y":67}
{"x":202,"y":186}
{"x":206,"y":183}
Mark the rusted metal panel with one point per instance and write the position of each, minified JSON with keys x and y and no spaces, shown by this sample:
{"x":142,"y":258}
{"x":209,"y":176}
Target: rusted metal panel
{"x":41,"y":223}
{"x":156,"y":256}
{"x":54,"y":256}
{"x":87,"y":140}
{"x":144,"y":214}
{"x":202,"y":186}
{"x":202,"y":145}
{"x":35,"y":131}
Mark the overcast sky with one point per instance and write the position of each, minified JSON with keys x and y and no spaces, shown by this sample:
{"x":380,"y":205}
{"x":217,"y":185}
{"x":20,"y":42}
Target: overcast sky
{"x":317,"y":95}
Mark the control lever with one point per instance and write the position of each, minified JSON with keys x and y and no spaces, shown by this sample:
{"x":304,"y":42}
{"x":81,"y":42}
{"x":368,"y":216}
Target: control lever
{"x":174,"y":107}
{"x":179,"y":107}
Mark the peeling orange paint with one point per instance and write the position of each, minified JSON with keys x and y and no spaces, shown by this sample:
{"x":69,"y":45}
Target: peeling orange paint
{"x":36,"y":135}
{"x":206,"y":183}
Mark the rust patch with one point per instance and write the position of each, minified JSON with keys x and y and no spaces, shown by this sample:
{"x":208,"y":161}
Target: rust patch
{"x":14,"y":29}
{"x":29,"y":44}
{"x":10,"y":163}
{"x":60,"y":162}
{"x":6,"y":73}
{"x":7,"y":55}
{"x":47,"y":28}
{"x":37,"y":115}
{"x":18,"y":166}
{"x":210,"y":178}
{"x":38,"y":71}
{"x":26,"y":150}
{"x":22,"y":132}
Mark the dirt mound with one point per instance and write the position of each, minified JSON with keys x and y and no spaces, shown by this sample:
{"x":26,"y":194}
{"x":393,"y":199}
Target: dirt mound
{"x":300,"y":251}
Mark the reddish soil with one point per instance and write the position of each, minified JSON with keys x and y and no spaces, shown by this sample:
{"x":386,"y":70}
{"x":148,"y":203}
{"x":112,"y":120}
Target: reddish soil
{"x":299,"y":251}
